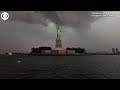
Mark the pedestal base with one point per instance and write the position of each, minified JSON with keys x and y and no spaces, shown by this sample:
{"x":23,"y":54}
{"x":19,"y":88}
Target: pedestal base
{"x":58,"y":51}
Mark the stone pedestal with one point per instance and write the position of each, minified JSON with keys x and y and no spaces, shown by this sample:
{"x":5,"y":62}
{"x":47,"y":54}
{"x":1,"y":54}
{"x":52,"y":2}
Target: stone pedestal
{"x":58,"y":43}
{"x":58,"y":48}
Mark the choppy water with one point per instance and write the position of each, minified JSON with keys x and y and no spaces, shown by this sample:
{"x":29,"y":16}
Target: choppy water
{"x":60,"y":67}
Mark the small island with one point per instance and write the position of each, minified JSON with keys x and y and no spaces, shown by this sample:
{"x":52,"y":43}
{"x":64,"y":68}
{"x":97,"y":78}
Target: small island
{"x":48,"y":51}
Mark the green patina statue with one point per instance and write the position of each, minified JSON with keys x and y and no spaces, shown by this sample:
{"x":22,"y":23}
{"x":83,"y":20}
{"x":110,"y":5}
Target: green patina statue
{"x":58,"y":31}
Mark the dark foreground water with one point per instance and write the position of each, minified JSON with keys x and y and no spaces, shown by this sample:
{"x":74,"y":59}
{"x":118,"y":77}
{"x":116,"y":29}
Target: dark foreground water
{"x":60,"y":67}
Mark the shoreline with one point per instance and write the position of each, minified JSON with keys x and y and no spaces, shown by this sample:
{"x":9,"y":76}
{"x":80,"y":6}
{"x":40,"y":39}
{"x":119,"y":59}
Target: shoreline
{"x":58,"y":54}
{"x":38,"y":54}
{"x":82,"y":54}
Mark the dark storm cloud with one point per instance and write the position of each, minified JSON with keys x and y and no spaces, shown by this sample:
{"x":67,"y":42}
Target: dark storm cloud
{"x":77,"y":19}
{"x":53,"y":16}
{"x":28,"y":17}
{"x":69,"y":18}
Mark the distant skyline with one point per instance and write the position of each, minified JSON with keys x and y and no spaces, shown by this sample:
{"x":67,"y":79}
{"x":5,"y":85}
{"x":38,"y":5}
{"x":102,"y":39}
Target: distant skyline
{"x":27,"y":29}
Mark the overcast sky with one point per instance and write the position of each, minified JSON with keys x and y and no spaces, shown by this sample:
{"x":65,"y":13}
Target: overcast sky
{"x":27,"y":29}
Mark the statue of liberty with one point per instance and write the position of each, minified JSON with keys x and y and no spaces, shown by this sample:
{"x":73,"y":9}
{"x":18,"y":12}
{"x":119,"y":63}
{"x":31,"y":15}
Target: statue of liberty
{"x":58,"y":31}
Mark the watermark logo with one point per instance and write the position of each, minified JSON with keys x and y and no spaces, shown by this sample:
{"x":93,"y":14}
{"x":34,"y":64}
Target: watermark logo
{"x":4,"y":16}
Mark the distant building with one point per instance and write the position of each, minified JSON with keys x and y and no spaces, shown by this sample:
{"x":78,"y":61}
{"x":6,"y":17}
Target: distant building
{"x":113,"y":50}
{"x":46,"y":52}
{"x":70,"y":51}
{"x":117,"y":50}
{"x":58,"y":51}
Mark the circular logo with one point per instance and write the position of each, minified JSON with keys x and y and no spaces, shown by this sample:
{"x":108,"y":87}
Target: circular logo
{"x":4,"y":16}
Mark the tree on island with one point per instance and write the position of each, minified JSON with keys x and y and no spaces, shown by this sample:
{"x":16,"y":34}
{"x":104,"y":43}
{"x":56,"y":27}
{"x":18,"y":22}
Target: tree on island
{"x":77,"y":50}
{"x":38,"y":50}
